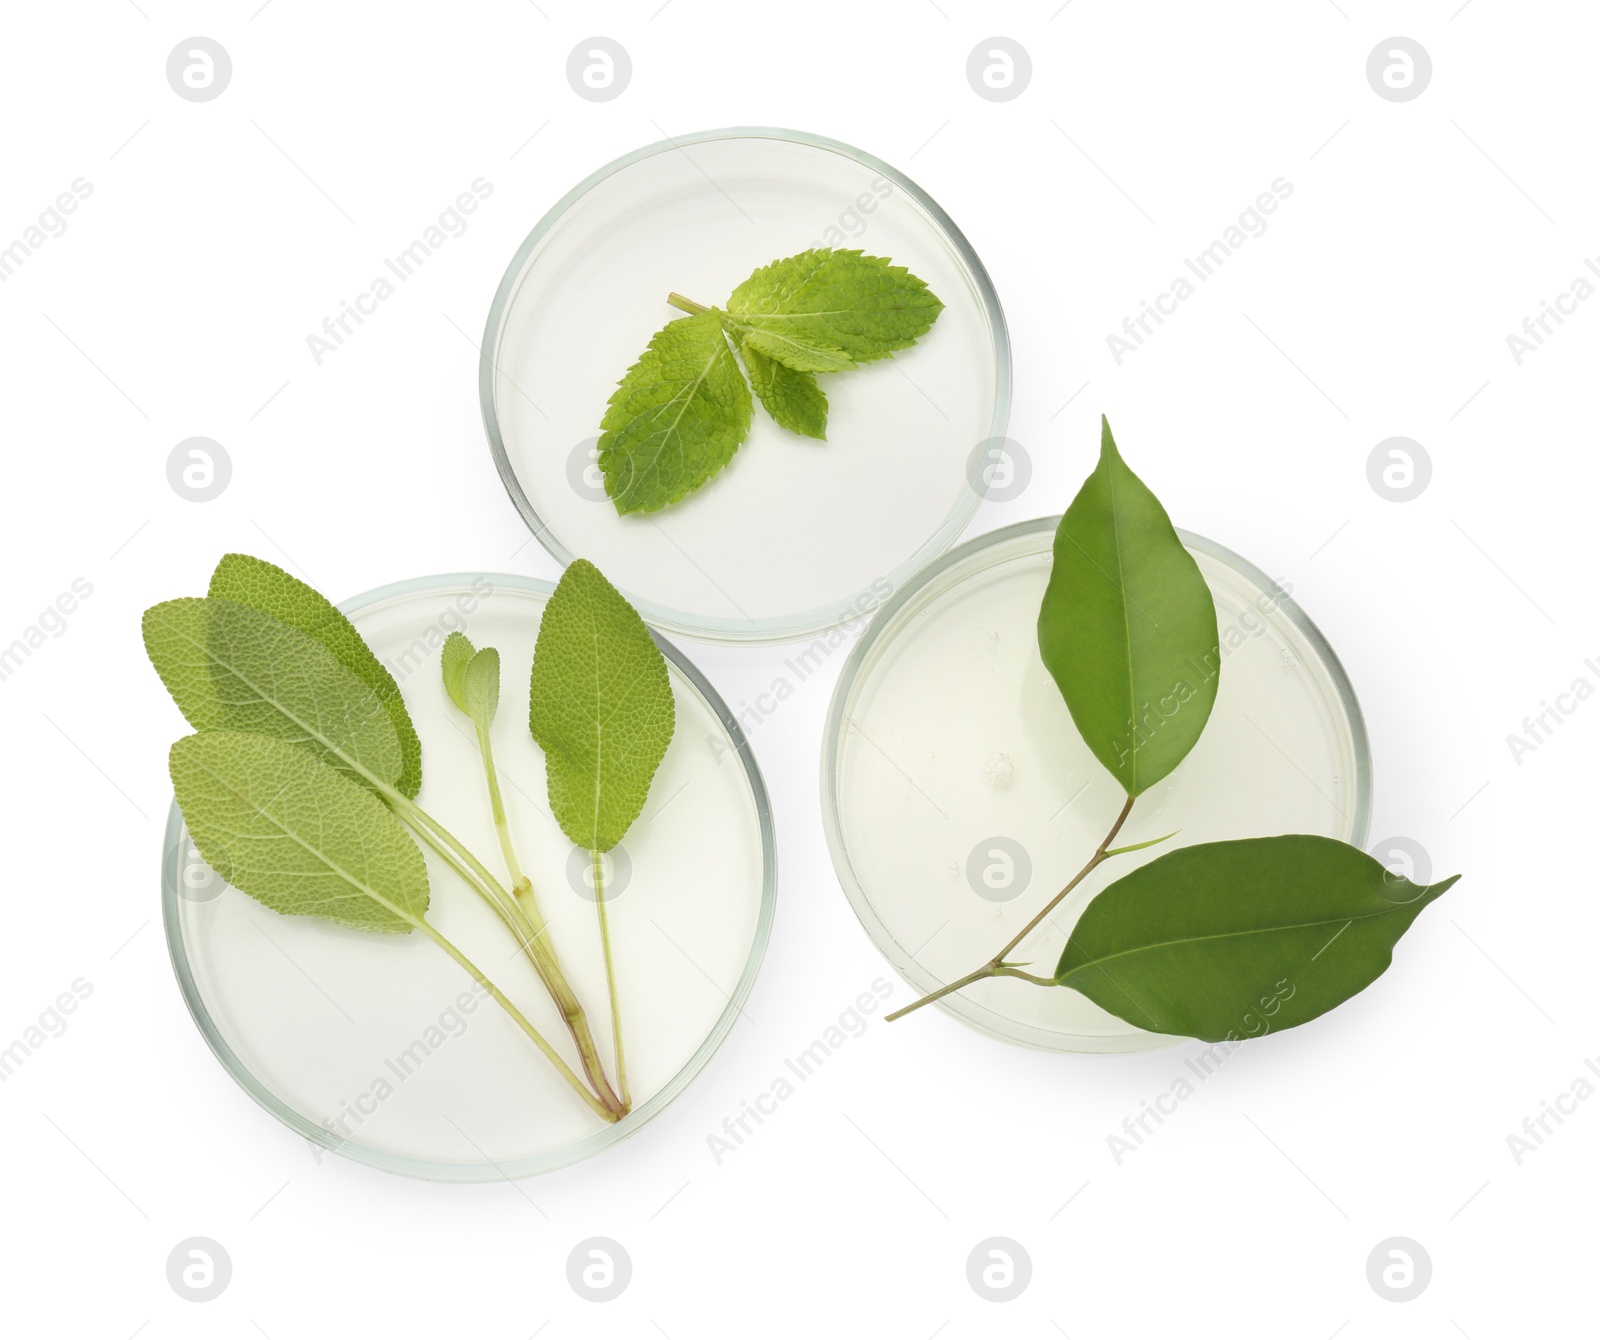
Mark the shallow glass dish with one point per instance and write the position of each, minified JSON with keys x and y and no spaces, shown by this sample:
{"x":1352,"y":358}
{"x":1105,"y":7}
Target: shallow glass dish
{"x":794,"y":535}
{"x":374,"y":1045}
{"x":958,"y":795}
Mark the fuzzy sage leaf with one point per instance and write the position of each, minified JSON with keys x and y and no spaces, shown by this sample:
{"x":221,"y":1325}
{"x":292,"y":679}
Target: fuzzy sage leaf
{"x":1233,"y":939}
{"x":453,"y":659}
{"x":297,"y":835}
{"x":231,"y":667}
{"x":268,"y":588}
{"x":1127,"y":627}
{"x":599,"y":705}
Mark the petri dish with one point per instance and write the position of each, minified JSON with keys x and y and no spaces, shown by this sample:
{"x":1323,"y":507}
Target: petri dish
{"x":794,"y":536}
{"x":375,"y":1046}
{"x":958,"y":796}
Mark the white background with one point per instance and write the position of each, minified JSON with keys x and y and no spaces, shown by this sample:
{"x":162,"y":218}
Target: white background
{"x":1419,"y":235}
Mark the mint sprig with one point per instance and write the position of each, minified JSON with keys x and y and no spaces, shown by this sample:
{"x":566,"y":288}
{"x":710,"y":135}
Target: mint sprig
{"x":679,"y":413}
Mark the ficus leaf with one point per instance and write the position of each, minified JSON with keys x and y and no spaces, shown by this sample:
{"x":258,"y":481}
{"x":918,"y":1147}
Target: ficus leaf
{"x":453,"y":658}
{"x":267,"y":587}
{"x":1128,"y":628}
{"x":1234,"y":939}
{"x":676,"y":418}
{"x":599,"y":705}
{"x":231,"y":667}
{"x":297,"y":835}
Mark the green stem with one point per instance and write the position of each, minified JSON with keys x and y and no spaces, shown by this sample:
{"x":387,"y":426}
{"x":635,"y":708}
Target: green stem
{"x":521,"y":1020}
{"x":1005,"y":970}
{"x":530,"y":934}
{"x":498,"y":807}
{"x":611,"y":977}
{"x":684,"y":304}
{"x":997,"y":966}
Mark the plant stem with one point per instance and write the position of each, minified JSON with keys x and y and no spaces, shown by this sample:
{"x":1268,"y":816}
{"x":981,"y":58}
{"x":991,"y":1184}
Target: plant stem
{"x":600,"y":1109}
{"x":684,"y":304}
{"x":498,"y":807}
{"x":611,"y":976}
{"x":529,"y":933}
{"x":997,"y":966}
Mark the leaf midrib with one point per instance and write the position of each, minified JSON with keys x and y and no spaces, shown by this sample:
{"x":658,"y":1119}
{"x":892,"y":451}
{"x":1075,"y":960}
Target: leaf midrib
{"x":353,"y":880}
{"x":1127,"y":639}
{"x":312,"y":732}
{"x":687,"y":397}
{"x":1229,"y":935}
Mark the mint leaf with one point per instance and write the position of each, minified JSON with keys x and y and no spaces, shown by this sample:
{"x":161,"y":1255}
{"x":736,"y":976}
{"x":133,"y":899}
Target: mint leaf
{"x":266,"y":587}
{"x":1234,"y":939}
{"x":1127,"y":627}
{"x":599,"y":705}
{"x":812,"y":310}
{"x":793,"y":399}
{"x":453,"y":658}
{"x":230,"y":667}
{"x":676,"y":418}
{"x":295,"y":834}
{"x":793,"y":350}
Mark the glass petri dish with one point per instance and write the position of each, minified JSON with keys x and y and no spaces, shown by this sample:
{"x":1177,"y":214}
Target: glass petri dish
{"x":794,"y":535}
{"x":958,"y":796}
{"x":375,"y":1046}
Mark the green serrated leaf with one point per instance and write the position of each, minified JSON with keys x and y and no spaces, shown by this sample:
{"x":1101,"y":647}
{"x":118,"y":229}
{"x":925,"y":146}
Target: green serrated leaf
{"x":453,"y":658}
{"x":599,"y":705}
{"x":794,"y":351}
{"x":295,"y":834}
{"x":676,"y":418}
{"x":230,"y":667}
{"x":793,"y":399}
{"x":811,"y":310}
{"x":1234,"y":939}
{"x":266,"y":587}
{"x":480,"y":686}
{"x":1128,"y":628}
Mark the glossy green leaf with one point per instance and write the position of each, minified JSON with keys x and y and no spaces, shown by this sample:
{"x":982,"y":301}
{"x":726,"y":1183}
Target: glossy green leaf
{"x":1127,"y":627}
{"x":1228,"y":940}
{"x":297,"y":835}
{"x":267,"y":587}
{"x":231,"y":667}
{"x":676,"y":418}
{"x":600,"y":706}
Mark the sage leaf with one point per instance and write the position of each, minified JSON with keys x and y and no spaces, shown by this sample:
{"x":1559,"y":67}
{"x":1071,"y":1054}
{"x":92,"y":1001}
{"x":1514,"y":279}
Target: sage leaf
{"x":599,"y":705}
{"x":827,"y":310}
{"x":676,"y":418}
{"x":480,"y":686}
{"x":231,"y":667}
{"x":453,"y":659}
{"x":1127,"y":627}
{"x":268,"y":588}
{"x":793,"y":399}
{"x":295,"y":834}
{"x":1228,"y":940}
